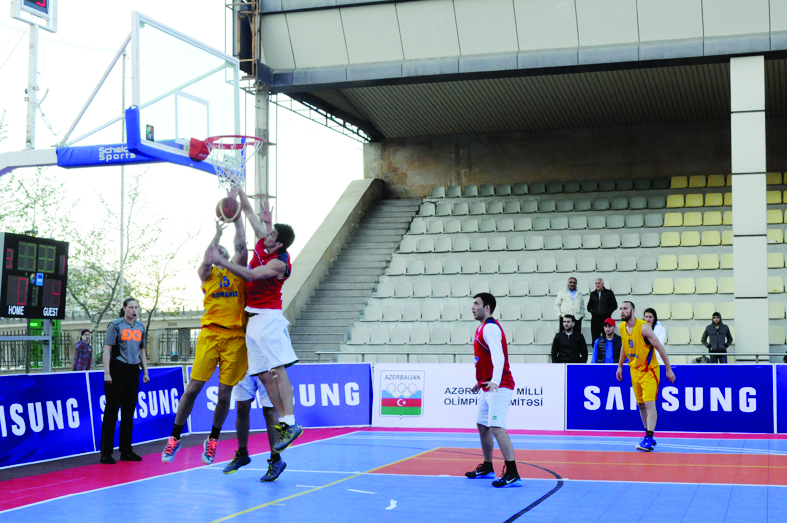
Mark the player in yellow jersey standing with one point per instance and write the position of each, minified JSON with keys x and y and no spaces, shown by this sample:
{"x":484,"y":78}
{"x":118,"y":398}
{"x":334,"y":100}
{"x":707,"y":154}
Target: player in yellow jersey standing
{"x":222,"y":342}
{"x":639,"y":345}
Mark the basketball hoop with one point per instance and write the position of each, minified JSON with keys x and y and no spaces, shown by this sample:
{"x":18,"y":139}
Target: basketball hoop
{"x":229,"y":155}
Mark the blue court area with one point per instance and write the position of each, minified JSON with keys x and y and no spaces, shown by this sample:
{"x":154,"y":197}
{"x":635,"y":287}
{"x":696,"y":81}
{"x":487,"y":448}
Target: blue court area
{"x":416,"y":476}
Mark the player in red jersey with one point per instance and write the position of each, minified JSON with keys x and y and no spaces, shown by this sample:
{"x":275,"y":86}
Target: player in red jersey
{"x":268,"y":344}
{"x":493,"y":378}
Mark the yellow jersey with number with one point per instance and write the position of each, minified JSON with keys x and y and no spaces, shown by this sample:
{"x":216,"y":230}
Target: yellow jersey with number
{"x":225,"y":299}
{"x":640,"y":353}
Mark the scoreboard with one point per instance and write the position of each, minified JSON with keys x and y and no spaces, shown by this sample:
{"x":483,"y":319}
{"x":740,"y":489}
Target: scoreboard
{"x":33,"y":277}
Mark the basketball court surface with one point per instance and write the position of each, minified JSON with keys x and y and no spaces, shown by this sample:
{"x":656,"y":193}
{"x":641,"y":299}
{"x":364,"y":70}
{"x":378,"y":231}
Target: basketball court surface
{"x":387,"y":475}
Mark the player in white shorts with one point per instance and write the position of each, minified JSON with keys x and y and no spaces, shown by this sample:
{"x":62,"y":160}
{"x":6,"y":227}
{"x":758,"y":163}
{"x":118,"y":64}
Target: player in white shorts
{"x":244,"y":393}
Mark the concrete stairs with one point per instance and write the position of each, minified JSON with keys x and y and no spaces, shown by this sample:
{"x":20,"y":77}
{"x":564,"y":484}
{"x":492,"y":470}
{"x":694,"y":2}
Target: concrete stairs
{"x":353,"y":276}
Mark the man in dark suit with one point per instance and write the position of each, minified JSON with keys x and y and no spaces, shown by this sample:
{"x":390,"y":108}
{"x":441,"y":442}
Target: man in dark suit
{"x":601,"y":305}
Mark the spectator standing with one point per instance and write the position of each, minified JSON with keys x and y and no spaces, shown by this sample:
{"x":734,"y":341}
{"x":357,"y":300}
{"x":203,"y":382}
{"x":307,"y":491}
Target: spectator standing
{"x":83,"y":356}
{"x":720,"y":338}
{"x":652,"y":318}
{"x":601,"y":305}
{"x":569,"y":346}
{"x":571,"y":302}
{"x":606,"y":348}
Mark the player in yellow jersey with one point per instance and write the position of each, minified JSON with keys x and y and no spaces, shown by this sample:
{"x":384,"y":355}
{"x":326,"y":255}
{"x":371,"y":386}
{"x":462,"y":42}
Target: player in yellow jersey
{"x":639,"y":346}
{"x":222,"y":342}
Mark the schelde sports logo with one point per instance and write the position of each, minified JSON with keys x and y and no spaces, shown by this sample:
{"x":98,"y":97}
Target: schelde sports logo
{"x":402,"y":393}
{"x":114,"y":153}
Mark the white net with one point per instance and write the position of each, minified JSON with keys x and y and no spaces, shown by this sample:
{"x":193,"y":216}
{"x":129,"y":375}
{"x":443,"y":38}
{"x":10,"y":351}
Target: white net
{"x":230,"y":154}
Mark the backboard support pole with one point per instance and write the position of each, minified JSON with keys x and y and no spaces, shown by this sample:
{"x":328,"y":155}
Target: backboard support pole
{"x":261,"y":130}
{"x":32,"y":88}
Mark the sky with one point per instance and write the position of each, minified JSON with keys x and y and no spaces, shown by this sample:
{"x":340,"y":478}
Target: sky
{"x":314,"y":164}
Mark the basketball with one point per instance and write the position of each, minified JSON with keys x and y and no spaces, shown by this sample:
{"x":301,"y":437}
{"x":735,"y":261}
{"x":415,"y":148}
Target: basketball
{"x":228,"y":210}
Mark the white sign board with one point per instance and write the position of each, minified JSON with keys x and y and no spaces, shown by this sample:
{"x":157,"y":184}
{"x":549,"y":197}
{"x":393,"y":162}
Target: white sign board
{"x":438,"y":395}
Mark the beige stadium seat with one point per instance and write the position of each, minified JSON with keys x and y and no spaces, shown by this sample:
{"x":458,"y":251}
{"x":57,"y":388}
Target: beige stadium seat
{"x":460,"y":336}
{"x":709,"y":261}
{"x":726,"y":309}
{"x":675,"y":201}
{"x":450,"y":312}
{"x":567,"y":264}
{"x":539,"y":288}
{"x":714,"y":199}
{"x":621,"y":287}
{"x":359,"y":336}
{"x":678,"y":336}
{"x":670,"y":239}
{"x":662,"y":310}
{"x":775,"y":260}
{"x":511,"y":312}
{"x":706,"y":286}
{"x":545,"y":334}
{"x":460,"y":289}
{"x":776,"y":335}
{"x":668,"y":262}
{"x":673,"y":219}
{"x":704,"y":310}
{"x":499,"y":288}
{"x":727,"y":220}
{"x":775,"y":285}
{"x":697,"y":181}
{"x":775,"y":310}
{"x":711,"y":218}
{"x":685,"y":285}
{"x":518,"y":288}
{"x":662,"y":286}
{"x":773,"y":178}
{"x":726,"y":286}
{"x":440,"y":336}
{"x":642,"y":287}
{"x":527,"y":265}
{"x":682,"y":311}
{"x":692,"y":219}
{"x":728,"y":199}
{"x":774,"y":216}
{"x":775,"y":236}
{"x":726,"y":237}
{"x":716,"y":180}
{"x":688,"y":262}
{"x":695,"y":200}
{"x":690,"y":239}
{"x":679,"y":182}
{"x":429,"y":313}
{"x":726,"y":261}
{"x":547,"y":265}
{"x":773,"y":197}
{"x":696,"y":334}
{"x":627,"y":263}
{"x":586,"y":264}
{"x":523,"y":335}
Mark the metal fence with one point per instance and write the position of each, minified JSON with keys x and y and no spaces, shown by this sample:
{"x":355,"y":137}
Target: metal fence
{"x":25,"y":356}
{"x":177,"y":345}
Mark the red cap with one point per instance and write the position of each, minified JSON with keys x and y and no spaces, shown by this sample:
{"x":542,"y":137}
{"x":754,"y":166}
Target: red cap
{"x":610,"y":321}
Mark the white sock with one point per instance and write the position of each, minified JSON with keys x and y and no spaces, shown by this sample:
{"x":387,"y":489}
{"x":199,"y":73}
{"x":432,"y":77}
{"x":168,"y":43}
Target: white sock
{"x":289,"y":420}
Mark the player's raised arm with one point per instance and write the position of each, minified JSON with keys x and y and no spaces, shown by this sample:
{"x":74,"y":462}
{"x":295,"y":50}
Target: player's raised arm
{"x":241,"y":256}
{"x":203,"y":271}
{"x":261,"y":229}
{"x":273,"y":269}
{"x":648,"y":333}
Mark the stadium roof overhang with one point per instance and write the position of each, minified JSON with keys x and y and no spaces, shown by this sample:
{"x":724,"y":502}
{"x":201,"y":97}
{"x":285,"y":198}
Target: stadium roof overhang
{"x":443,"y":67}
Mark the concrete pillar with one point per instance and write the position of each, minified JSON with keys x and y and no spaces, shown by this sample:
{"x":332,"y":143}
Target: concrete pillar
{"x":261,"y":127}
{"x":750,"y":244}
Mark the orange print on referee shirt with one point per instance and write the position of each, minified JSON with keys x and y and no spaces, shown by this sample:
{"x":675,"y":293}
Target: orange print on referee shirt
{"x":128,"y":334}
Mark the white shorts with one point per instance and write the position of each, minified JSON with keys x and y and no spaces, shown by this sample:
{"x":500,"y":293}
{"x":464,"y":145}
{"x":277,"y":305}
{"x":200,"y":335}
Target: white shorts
{"x":268,"y":342}
{"x":251,"y":387}
{"x":493,"y":407}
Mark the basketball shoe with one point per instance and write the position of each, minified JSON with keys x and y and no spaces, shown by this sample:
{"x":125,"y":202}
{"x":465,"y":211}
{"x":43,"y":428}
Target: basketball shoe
{"x":237,"y":462}
{"x":209,"y":450}
{"x":481,"y":471}
{"x":646,"y":444}
{"x":172,"y":448}
{"x":507,"y":480}
{"x":288,"y":434}
{"x":275,"y":468}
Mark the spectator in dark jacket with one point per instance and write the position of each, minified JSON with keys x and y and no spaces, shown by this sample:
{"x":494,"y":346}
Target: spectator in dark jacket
{"x":717,"y":338}
{"x":569,"y":346}
{"x":601,"y":305}
{"x":606,"y":348}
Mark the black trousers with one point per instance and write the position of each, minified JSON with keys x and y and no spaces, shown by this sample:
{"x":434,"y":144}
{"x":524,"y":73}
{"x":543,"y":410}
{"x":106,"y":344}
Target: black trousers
{"x":719,"y":357}
{"x":121,"y":394}
{"x":597,"y":326}
{"x":577,"y":325}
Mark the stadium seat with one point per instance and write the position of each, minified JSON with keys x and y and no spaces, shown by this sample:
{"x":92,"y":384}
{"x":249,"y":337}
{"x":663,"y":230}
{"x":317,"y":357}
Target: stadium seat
{"x":397,"y":268}
{"x":453,"y":225}
{"x":540,"y":224}
{"x":618,"y":204}
{"x":663,"y":310}
{"x":624,"y":184}
{"x":567,"y":264}
{"x":678,"y":336}
{"x":433,"y":267}
{"x":539,"y":288}
{"x":634,"y":221}
{"x":558,"y":223}
{"x":688,"y":262}
{"x":654,"y":220}
{"x":638,"y":202}
{"x":642,"y":286}
{"x":534,"y":243}
{"x":443,"y":209}
{"x":726,"y":286}
{"x":646,"y":263}
{"x":695,"y":200}
{"x":704,"y":311}
{"x":423,"y":245}
{"x":554,"y":187}
{"x":518,"y":288}
{"x":452,"y":266}
{"x":461,"y":336}
{"x":469,"y":191}
{"x":572,"y":241}
{"x":673,"y":219}
{"x":670,"y":239}
{"x":663,"y":286}
{"x":547,"y":265}
{"x":545,"y":334}
{"x":399,"y":336}
{"x":430,"y":312}
{"x":657,"y":202}
{"x":675,"y":201}
{"x":523,"y":223}
{"x":727,"y":220}
{"x":726,"y":309}
{"x":437,"y":192}
{"x":385,"y":290}
{"x":453,"y":191}
{"x":519,"y":189}
{"x":553,"y":242}
{"x":379,"y":336}
{"x":775,"y":260}
{"x":588,"y":186}
{"x":626,"y":264}
{"x":773,"y":178}
{"x":440,"y":336}
{"x":359,"y":336}
{"x":486,"y":189}
{"x":709,"y":261}
{"x":716,"y":180}
{"x":711,"y":218}
{"x":515,"y":243}
{"x":471,"y":266}
{"x":450,"y":313}
{"x":690,"y":239}
{"x":422,"y":289}
{"x":407,"y":245}
{"x":667,"y":262}
{"x":621,"y":287}
{"x":773,"y":197}
{"x":582,"y":204}
{"x":418,"y":226}
{"x":461,"y":244}
{"x":596,"y":222}
{"x":403,"y":289}
{"x":697,"y":181}
{"x":775,"y":335}
{"x":775,"y":236}
{"x":427,"y":209}
{"x":774,"y":216}
{"x":537,"y":188}
{"x":499,"y":288}
{"x":591,"y":241}
{"x":729,"y":180}
{"x":728,"y":199}
{"x":523,"y":335}
{"x":460,"y":289}
{"x":415,"y":267}
{"x":710,"y":238}
{"x":775,"y":285}
{"x":775,"y":310}
{"x":508,"y":266}
{"x":392,"y":313}
{"x":615,"y":221}
{"x":497,"y":243}
{"x":531,"y":312}
{"x":527,"y":265}
{"x":601,"y":204}
{"x":511,"y":207}
{"x":477,"y":208}
{"x":571,"y":187}
{"x":679,"y":182}
{"x":564,"y":205}
{"x":504,"y":189}
{"x":606,"y":185}
{"x":528,"y":206}
{"x":686,"y":285}
{"x":434,"y":227}
{"x":726,"y":237}
{"x":578,"y":222}
{"x":479,"y":243}
{"x":586,"y":264}
{"x":642,"y":184}
{"x":629,"y":240}
{"x":510,"y":312}
{"x":546,"y":206}
{"x":696,"y":334}
{"x":649,"y":239}
{"x":495,"y":207}
{"x":682,"y":311}
{"x":692,"y":219}
{"x":505,"y":224}
{"x":372,"y":312}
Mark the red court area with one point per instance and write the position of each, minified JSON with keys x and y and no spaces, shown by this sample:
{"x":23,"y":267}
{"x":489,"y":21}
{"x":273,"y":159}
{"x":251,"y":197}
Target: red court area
{"x":653,"y":467}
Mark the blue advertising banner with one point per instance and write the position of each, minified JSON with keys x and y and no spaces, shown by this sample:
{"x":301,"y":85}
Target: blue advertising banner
{"x":326,"y":395}
{"x":781,"y":398}
{"x":157,"y":404}
{"x":704,"y":398}
{"x":43,"y":416}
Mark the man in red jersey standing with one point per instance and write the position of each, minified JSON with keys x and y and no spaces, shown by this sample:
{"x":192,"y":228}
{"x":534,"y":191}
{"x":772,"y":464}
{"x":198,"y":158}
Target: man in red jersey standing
{"x":494,"y":379}
{"x":268,"y":344}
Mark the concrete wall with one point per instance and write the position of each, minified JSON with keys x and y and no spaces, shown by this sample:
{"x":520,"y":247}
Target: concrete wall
{"x":411,"y":166}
